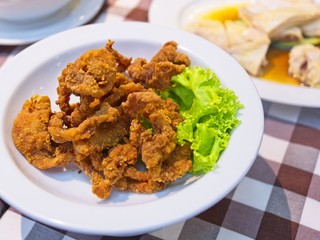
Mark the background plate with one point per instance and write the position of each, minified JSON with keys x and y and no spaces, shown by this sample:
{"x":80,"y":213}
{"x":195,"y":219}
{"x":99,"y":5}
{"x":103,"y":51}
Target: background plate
{"x":181,"y":12}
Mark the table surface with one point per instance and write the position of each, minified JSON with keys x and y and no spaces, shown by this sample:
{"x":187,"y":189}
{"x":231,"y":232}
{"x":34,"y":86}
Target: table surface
{"x":279,"y":198}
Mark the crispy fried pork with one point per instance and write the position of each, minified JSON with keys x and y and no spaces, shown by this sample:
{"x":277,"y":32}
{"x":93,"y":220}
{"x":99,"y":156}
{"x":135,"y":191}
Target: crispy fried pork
{"x":118,"y":124}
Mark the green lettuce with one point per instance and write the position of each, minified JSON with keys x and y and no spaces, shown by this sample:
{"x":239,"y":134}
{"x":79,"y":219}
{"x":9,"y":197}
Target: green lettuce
{"x":209,"y":112}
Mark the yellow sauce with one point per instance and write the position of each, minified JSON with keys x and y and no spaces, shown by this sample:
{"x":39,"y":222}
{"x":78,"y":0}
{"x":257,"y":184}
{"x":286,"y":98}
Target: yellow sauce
{"x":223,"y":14}
{"x":277,"y":68}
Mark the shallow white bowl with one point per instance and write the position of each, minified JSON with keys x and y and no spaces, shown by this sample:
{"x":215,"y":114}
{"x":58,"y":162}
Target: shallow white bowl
{"x":29,"y":10}
{"x":64,"y":199}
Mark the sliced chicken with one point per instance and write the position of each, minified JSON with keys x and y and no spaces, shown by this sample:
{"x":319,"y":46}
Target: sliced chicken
{"x":275,"y":16}
{"x":248,"y":46}
{"x":211,"y":30}
{"x":304,"y":64}
{"x":312,"y":29}
{"x":290,"y":34}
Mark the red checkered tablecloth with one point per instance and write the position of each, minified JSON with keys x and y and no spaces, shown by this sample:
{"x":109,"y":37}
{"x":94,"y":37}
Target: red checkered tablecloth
{"x":279,"y":198}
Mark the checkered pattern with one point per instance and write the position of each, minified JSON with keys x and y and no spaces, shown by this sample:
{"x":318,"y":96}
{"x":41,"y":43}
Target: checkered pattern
{"x":278,"y":199}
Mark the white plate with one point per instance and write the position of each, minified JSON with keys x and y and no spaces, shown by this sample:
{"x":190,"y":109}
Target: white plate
{"x":181,"y":12}
{"x":76,"y":13}
{"x":64,"y":199}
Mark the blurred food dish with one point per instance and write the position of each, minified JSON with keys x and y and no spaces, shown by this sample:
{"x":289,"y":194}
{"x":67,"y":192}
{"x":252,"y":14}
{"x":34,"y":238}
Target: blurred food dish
{"x":260,"y":36}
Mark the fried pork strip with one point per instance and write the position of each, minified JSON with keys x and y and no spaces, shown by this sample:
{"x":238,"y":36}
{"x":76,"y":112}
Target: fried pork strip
{"x":163,"y":66}
{"x":31,"y":136}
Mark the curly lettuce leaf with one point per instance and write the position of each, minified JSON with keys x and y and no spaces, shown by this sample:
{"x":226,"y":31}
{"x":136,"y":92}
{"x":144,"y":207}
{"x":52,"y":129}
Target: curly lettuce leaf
{"x":209,"y":112}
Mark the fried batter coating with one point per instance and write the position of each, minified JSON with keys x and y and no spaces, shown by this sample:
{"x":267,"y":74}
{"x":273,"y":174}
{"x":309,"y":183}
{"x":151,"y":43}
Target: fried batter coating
{"x":119,"y":94}
{"x":138,"y":134}
{"x":86,"y":107}
{"x":163,"y":66}
{"x":85,"y":130}
{"x":178,"y":163}
{"x":175,"y":167}
{"x":131,"y":185}
{"x":156,"y":149}
{"x":92,"y":74}
{"x":119,"y":132}
{"x":95,"y":79}
{"x":122,"y":62}
{"x":31,"y":137}
{"x":113,"y":165}
{"x":169,"y":53}
{"x":101,"y":187}
{"x":118,"y":159}
{"x":146,"y":103}
{"x":106,"y":136}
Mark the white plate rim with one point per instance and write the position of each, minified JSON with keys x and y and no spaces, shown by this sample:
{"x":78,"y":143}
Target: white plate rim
{"x":76,"y":13}
{"x":268,"y":90}
{"x":147,"y":220}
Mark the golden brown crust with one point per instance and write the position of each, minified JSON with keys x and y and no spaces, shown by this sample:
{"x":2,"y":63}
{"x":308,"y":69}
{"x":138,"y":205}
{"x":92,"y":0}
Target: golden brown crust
{"x":120,"y":133}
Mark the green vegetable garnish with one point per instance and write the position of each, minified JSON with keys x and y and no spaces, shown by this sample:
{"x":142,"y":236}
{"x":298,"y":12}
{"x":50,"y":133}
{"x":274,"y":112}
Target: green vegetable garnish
{"x":146,"y":124}
{"x":290,"y":44}
{"x":209,"y":113}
